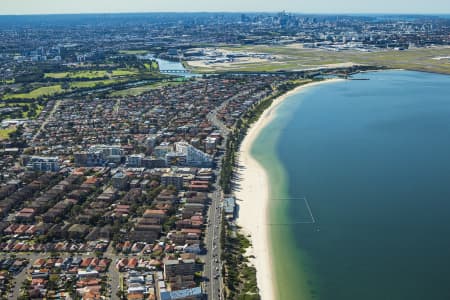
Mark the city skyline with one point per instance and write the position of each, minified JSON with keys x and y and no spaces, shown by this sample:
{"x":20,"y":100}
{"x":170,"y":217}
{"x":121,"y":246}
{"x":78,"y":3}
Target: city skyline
{"x":24,"y":7}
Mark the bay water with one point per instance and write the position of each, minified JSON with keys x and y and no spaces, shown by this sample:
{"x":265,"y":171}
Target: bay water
{"x":360,"y":189}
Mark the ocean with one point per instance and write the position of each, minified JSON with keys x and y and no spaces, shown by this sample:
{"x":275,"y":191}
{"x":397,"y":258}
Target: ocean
{"x":360,"y":189}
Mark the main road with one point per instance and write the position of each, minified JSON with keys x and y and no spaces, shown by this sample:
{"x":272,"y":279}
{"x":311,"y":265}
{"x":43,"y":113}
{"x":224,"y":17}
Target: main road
{"x":213,"y":265}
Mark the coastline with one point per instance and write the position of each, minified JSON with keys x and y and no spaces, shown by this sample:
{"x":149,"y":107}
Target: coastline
{"x":254,"y":201}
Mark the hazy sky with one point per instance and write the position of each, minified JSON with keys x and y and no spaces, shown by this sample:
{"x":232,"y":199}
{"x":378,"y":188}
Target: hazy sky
{"x":301,"y":6}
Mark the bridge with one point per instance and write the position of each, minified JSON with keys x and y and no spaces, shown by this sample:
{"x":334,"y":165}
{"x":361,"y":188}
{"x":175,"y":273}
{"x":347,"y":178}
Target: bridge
{"x":174,"y":71}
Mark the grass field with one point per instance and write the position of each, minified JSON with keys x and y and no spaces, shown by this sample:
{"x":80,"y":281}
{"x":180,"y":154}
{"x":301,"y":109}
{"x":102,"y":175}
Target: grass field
{"x":94,"y":74}
{"x":91,"y":84}
{"x":97,"y":79}
{"x":3,"y":104}
{"x":78,"y":74}
{"x":133,"y":52}
{"x":135,"y":91}
{"x":4,"y":133}
{"x":38,"y":112}
{"x":9,"y":81}
{"x":152,"y":66}
{"x":57,"y":89}
{"x":36,"y":93}
{"x":293,"y":58}
{"x":39,"y":107}
{"x":124,"y":72}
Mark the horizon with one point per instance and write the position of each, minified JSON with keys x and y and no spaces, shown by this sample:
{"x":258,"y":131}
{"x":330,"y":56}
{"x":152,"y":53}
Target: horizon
{"x":326,"y":7}
{"x":226,"y":12}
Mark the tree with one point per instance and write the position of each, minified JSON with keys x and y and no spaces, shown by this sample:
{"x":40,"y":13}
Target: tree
{"x":120,"y":294}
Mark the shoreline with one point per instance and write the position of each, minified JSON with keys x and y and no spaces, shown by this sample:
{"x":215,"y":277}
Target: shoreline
{"x":254,"y":201}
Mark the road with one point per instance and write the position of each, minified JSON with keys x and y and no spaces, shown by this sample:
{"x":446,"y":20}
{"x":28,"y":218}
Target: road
{"x":18,"y":280}
{"x":112,"y":272}
{"x":47,"y":119}
{"x":117,"y":106}
{"x":212,"y":115}
{"x":213,"y":265}
{"x":22,"y":275}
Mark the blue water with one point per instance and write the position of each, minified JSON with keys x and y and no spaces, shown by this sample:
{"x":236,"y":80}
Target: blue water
{"x":169,"y":65}
{"x":165,"y":65}
{"x":372,"y":158}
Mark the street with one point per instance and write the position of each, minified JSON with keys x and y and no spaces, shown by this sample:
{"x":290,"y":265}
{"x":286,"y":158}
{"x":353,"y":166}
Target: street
{"x":213,"y":268}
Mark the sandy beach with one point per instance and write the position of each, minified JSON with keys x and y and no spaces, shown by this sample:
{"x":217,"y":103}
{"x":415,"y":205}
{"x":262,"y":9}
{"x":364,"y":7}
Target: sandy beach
{"x":253,"y":199}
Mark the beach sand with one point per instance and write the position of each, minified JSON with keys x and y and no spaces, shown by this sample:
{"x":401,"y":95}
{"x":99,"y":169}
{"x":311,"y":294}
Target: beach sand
{"x":253,"y":199}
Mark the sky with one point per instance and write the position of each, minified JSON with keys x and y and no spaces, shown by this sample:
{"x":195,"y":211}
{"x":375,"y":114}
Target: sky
{"x":299,"y":6}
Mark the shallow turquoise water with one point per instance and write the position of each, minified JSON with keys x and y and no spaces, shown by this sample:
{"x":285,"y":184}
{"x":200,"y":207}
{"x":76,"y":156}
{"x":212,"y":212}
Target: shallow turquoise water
{"x":372,"y":159}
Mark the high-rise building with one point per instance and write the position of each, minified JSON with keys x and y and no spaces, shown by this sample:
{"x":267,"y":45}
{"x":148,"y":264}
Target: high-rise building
{"x":135,"y":160}
{"x":99,"y":155}
{"x":194,"y":156}
{"x":43,"y":164}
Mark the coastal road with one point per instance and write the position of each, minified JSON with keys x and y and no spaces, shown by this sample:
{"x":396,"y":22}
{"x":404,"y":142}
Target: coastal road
{"x":212,"y":115}
{"x":212,"y":268}
{"x":213,"y":265}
